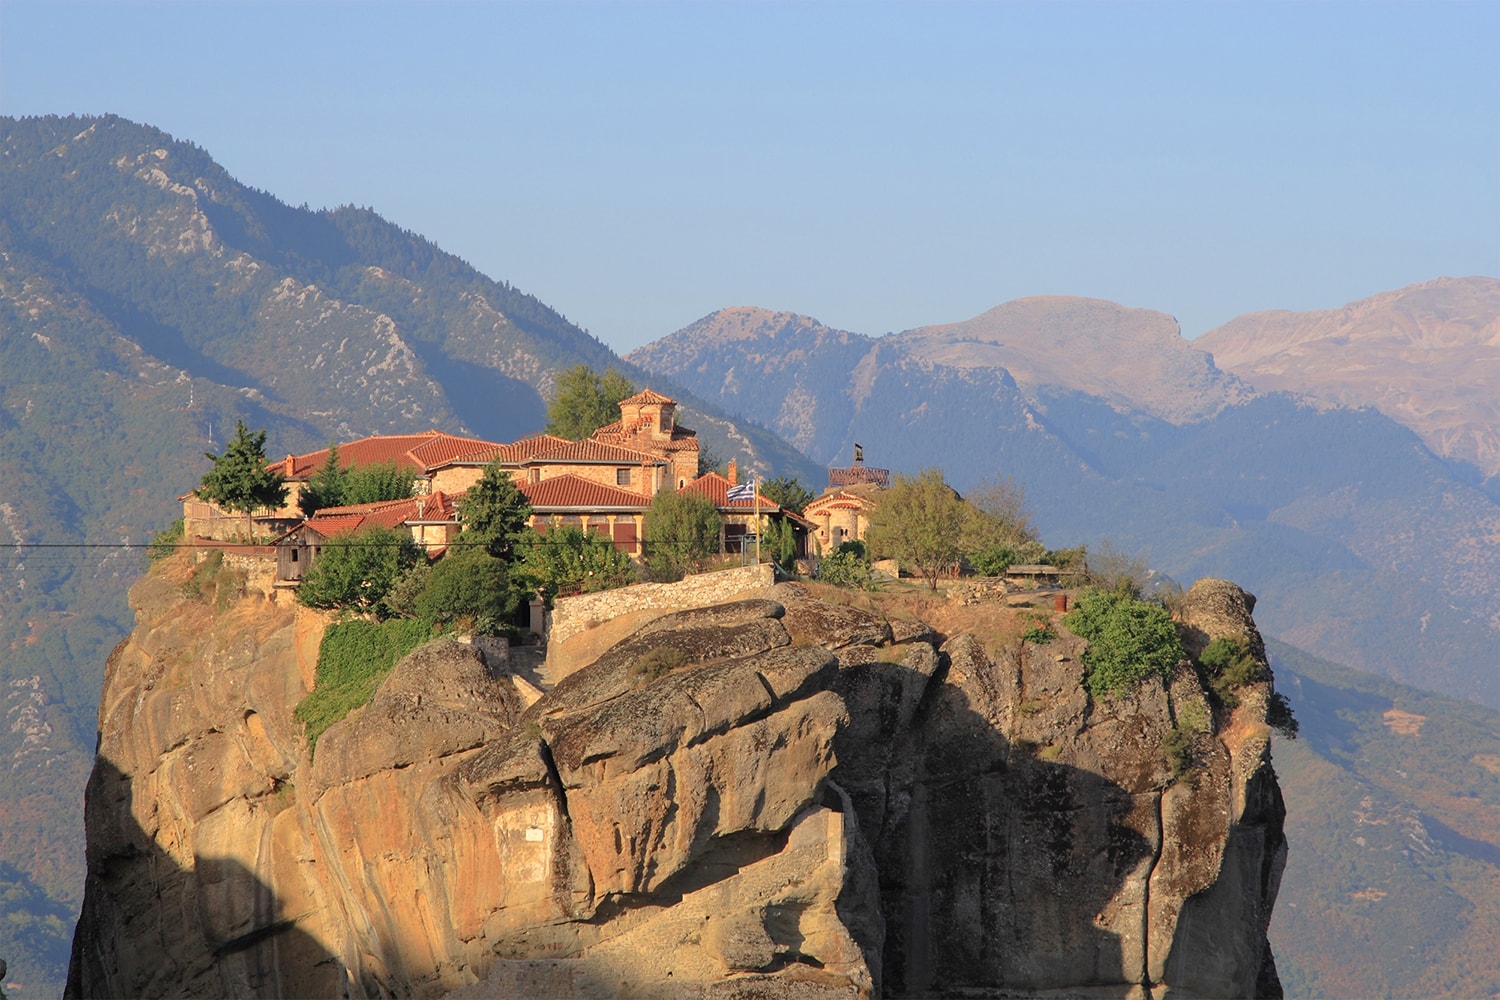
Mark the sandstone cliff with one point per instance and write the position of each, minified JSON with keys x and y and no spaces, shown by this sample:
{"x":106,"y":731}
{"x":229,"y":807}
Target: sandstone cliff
{"x":813,"y":801}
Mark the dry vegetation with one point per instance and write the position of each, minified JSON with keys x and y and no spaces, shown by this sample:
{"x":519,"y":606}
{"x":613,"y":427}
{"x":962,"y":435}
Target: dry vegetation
{"x":998,"y":624}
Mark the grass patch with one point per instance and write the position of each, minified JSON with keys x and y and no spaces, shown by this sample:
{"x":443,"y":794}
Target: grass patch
{"x":215,"y":582}
{"x":1177,"y":744}
{"x":354,"y":657}
{"x":658,"y":662}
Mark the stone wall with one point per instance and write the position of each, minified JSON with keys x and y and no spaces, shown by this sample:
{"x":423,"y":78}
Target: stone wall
{"x":257,"y":562}
{"x":572,"y":615}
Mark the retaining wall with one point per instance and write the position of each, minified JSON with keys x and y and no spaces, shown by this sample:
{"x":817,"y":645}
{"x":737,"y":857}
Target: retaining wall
{"x":572,"y":615}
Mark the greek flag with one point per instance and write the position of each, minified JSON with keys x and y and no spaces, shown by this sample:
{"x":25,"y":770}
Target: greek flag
{"x":740,"y":493}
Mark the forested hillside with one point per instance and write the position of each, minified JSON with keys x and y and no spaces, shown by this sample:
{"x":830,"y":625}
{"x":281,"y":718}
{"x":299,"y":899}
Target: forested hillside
{"x":1392,"y":885}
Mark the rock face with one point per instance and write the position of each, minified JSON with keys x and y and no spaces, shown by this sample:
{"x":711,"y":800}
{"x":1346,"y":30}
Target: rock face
{"x":763,"y":798}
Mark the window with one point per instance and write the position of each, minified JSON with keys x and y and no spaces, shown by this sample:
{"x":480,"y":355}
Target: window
{"x":622,"y":477}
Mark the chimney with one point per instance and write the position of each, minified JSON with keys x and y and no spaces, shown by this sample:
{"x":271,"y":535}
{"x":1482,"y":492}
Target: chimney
{"x":291,"y":466}
{"x":734,"y":472}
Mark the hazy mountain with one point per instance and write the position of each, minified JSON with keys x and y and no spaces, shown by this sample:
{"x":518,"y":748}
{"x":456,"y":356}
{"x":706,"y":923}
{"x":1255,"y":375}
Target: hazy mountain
{"x":1134,"y":359}
{"x":1427,"y":356}
{"x":1364,"y":546}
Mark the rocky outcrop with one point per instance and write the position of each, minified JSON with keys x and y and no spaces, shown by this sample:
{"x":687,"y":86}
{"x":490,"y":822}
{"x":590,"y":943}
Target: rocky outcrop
{"x":764,"y":798}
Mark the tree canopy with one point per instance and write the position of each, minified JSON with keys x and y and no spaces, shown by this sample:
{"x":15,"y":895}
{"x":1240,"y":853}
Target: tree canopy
{"x":336,"y":485}
{"x":787,"y":491}
{"x":357,"y":571}
{"x":681,"y":529}
{"x":921,"y":522}
{"x":494,"y":513}
{"x":239,"y":479}
{"x":779,"y":541}
{"x":471,"y":590}
{"x":1000,"y":532}
{"x":379,"y":481}
{"x":568,"y":560}
{"x":327,"y":486}
{"x":585,"y":401}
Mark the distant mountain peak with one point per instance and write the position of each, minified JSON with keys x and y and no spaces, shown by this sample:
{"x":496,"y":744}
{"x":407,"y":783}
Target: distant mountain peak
{"x":1427,"y":356}
{"x":1133,"y":358}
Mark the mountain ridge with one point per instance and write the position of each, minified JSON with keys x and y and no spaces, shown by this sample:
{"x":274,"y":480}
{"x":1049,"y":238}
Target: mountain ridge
{"x":1429,"y":359}
{"x":1134,"y":358}
{"x":1332,"y":512}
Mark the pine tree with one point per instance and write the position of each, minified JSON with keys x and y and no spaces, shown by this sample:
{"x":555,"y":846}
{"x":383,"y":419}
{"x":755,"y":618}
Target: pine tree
{"x":239,"y":479}
{"x":495,"y":513}
{"x":328,"y":485}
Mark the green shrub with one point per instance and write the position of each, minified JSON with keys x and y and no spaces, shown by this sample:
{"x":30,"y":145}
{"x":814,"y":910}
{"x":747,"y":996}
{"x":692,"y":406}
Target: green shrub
{"x":993,"y":561}
{"x":471,"y":590}
{"x":401,"y":600}
{"x":1040,"y":631}
{"x":682,"y":531}
{"x":780,"y":542}
{"x":1177,"y":744}
{"x":1230,"y":658}
{"x":354,"y":657}
{"x":1129,"y":640}
{"x":568,"y":560}
{"x":164,"y":542}
{"x":847,"y":566}
{"x":1230,"y":665}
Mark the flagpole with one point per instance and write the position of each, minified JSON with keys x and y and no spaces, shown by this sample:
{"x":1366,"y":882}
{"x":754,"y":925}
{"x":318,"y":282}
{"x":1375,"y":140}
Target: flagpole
{"x":755,"y":481}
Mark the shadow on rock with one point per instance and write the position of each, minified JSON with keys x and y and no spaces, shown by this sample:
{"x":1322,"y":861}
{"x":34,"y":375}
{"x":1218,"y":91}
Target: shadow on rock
{"x":998,"y":869}
{"x":154,"y":926}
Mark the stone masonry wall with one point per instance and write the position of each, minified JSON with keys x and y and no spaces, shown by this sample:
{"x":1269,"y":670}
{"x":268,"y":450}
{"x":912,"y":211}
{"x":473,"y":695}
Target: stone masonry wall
{"x":572,"y":615}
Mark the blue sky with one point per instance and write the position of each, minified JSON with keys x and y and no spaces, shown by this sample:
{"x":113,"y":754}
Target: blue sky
{"x":877,"y":166}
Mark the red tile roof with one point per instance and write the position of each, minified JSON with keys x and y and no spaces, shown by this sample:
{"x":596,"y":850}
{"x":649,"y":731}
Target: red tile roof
{"x":594,"y":451}
{"x":572,"y":491}
{"x":648,"y":396}
{"x":619,"y":432}
{"x":513,"y":453}
{"x":682,"y":440}
{"x":839,"y":500}
{"x":417,"y":452}
{"x":331,"y":521}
